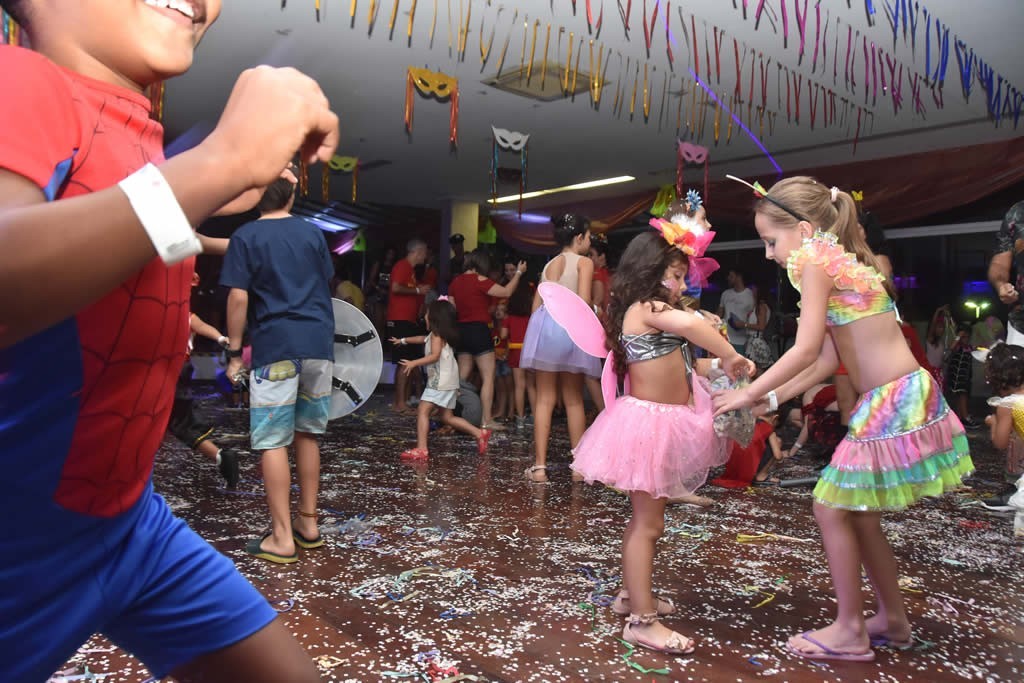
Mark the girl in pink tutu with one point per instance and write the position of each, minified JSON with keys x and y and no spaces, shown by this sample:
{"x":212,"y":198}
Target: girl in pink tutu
{"x":657,"y":442}
{"x":903,"y":442}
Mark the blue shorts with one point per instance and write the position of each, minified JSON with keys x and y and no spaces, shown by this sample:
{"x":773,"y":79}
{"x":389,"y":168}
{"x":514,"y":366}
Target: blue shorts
{"x":152,"y":586}
{"x":287,"y":397}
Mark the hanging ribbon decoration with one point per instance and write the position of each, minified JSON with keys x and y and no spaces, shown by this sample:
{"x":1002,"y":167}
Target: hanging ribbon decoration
{"x":11,"y":30}
{"x":940,"y":69}
{"x":624,"y":13}
{"x":689,"y":153}
{"x":156,"y":99}
{"x":649,"y":27}
{"x":340,"y":164}
{"x":668,"y":35}
{"x":817,"y":36}
{"x":718,"y":38}
{"x":325,"y":185}
{"x":514,"y":142}
{"x":504,"y":50}
{"x":591,"y":26}
{"x":544,"y":63}
{"x":303,"y":178}
{"x":440,"y":86}
{"x":801,"y":25}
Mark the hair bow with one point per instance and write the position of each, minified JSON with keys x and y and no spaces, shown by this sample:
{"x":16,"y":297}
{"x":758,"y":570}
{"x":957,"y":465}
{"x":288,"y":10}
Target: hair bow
{"x":443,"y":297}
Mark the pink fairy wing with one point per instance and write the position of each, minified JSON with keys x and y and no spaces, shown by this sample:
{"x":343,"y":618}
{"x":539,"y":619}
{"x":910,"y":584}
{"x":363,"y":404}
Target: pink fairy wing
{"x":575,"y":316}
{"x":610,"y":382}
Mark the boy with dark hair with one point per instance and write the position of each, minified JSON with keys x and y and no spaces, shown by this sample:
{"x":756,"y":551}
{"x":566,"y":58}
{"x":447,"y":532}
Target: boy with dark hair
{"x":89,"y":355}
{"x":279,"y":271}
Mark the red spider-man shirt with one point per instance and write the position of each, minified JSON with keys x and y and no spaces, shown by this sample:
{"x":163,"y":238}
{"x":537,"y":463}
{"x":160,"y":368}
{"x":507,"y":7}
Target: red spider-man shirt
{"x":84,"y":404}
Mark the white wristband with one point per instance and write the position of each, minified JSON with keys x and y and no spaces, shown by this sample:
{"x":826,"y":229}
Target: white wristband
{"x":716,"y":363}
{"x":773,"y":401}
{"x":796,"y":448}
{"x":160,"y":214}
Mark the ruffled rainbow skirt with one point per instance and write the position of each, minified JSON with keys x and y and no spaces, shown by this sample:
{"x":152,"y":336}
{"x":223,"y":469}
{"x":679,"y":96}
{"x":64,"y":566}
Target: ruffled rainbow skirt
{"x":904,"y":443}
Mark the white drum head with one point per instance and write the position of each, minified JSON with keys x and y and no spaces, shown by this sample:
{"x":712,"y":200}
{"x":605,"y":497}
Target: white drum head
{"x":358,"y":359}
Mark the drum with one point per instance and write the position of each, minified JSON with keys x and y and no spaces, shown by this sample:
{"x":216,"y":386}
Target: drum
{"x":358,"y":359}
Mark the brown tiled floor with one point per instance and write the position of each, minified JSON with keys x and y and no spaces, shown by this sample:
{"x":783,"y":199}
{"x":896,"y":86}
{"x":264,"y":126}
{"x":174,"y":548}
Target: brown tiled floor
{"x":501,"y":578}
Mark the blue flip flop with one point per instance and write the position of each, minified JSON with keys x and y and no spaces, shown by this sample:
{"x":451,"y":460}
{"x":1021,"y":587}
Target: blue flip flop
{"x":829,"y":653}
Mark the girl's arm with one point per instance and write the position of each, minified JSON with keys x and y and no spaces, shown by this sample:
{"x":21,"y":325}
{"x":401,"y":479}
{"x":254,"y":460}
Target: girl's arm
{"x":695,"y":329}
{"x":214,"y":246}
{"x":505,"y":291}
{"x":776,"y":445}
{"x":597,"y":291}
{"x":821,"y":369}
{"x":1001,"y":425}
{"x":207,"y":330}
{"x":408,"y":340}
{"x":436,"y":346}
{"x":762,"y":320}
{"x":815,"y":285}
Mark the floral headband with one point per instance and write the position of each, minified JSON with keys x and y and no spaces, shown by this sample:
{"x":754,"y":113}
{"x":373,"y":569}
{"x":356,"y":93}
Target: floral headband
{"x":689,"y":237}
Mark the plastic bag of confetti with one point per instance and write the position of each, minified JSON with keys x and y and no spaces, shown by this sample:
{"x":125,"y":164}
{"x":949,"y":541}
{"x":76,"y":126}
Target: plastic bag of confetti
{"x":737,"y":425}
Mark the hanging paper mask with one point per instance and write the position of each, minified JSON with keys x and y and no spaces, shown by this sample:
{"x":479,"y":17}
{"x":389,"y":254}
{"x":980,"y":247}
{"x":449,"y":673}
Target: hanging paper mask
{"x":514,"y":142}
{"x":339,"y":164}
{"x":438,"y":85}
{"x":689,"y":153}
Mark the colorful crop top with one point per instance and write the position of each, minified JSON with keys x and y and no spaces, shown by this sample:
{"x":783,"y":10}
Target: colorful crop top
{"x":640,"y":347}
{"x":861,"y":292}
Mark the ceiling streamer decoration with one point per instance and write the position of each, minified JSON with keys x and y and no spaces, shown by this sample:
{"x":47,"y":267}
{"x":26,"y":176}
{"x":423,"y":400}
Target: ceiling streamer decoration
{"x":339,"y":165}
{"x":10,"y":32}
{"x":513,"y":142}
{"x":157,"y":92}
{"x":438,"y":85}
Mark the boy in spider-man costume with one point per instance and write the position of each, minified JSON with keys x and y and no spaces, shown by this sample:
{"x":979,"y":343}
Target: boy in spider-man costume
{"x":94,"y":323}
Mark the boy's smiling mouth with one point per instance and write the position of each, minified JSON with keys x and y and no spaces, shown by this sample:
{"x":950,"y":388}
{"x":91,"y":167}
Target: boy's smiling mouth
{"x":186,"y":12}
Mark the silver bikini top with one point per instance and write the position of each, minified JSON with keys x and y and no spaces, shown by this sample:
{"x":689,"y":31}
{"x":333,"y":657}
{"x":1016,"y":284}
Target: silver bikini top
{"x":640,"y":347}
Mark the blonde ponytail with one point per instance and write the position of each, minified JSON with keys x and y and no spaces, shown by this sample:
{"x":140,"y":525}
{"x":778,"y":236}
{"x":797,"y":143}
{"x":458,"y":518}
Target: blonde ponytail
{"x":807,"y":197}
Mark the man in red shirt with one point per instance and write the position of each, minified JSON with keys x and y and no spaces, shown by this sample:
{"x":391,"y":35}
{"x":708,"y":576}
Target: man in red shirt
{"x":403,"y":315}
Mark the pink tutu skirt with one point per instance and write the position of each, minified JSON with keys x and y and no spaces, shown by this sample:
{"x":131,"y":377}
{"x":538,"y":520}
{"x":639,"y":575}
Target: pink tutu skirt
{"x":664,"y":450}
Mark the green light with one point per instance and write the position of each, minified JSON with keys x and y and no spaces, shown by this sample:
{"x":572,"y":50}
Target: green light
{"x":977,"y":307}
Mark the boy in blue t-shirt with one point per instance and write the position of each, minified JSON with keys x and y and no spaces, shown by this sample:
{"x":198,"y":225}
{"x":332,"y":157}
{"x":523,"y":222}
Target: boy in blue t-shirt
{"x":279,"y":270}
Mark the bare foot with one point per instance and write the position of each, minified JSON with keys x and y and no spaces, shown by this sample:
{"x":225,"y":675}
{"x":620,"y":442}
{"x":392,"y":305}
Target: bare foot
{"x":878,"y":626}
{"x":278,"y":546}
{"x":834,"y":637}
{"x":307,"y":527}
{"x":400,"y":409}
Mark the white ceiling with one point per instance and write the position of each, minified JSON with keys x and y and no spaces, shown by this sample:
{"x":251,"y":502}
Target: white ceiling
{"x":364,"y":75}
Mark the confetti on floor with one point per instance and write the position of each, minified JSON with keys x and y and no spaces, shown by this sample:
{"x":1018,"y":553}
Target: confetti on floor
{"x":458,"y":567}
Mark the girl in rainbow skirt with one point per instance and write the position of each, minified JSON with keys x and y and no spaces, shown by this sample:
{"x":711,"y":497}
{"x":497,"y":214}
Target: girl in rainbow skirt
{"x":904,"y":443}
